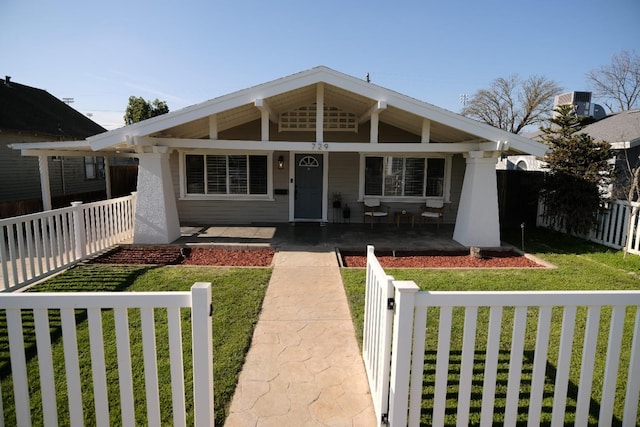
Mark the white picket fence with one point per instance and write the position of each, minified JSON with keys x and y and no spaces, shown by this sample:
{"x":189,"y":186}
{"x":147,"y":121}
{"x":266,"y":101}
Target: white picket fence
{"x":37,"y":245}
{"x":394,"y":349}
{"x":613,"y":221}
{"x":15,"y":305}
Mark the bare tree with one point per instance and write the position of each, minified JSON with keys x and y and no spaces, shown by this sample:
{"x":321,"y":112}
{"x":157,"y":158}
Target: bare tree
{"x":618,"y":84}
{"x":512,"y":104}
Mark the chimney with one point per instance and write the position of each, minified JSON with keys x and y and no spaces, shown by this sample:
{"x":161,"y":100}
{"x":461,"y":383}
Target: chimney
{"x":7,"y":79}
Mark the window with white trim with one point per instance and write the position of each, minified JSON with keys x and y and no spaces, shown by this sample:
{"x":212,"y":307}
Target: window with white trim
{"x":399,"y":176}
{"x":218,"y":174}
{"x":93,"y":167}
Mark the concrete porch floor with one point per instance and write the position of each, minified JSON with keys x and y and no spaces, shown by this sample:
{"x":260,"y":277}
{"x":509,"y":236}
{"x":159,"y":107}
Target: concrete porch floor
{"x":313,"y":236}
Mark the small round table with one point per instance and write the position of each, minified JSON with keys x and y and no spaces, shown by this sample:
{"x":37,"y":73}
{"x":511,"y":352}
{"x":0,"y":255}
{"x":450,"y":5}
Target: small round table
{"x":404,"y":214}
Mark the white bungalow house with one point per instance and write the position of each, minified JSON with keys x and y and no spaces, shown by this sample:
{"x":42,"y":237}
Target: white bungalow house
{"x":277,"y":152}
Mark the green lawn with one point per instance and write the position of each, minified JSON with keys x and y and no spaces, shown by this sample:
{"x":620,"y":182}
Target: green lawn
{"x":237,"y":295}
{"x":581,"y":266}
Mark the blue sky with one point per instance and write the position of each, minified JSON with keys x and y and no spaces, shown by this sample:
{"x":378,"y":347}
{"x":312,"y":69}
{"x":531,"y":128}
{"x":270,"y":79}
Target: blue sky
{"x":186,"y":52}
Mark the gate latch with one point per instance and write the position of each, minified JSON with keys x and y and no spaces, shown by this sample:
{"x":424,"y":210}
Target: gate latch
{"x":391,"y":304}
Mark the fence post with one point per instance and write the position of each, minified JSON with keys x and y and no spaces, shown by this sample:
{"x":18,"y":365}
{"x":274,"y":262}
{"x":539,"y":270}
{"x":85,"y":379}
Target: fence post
{"x":401,"y":352}
{"x":78,"y":230}
{"x":201,"y":331}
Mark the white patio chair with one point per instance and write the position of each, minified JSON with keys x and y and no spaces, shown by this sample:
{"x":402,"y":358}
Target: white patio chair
{"x":374,"y":209}
{"x":433,"y":210}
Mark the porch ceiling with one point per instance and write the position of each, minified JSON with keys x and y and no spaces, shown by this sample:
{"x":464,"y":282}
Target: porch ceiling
{"x":305,"y":96}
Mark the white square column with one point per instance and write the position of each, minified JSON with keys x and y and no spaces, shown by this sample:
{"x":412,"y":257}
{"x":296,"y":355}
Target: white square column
{"x":156,"y":220}
{"x":478,"y":221}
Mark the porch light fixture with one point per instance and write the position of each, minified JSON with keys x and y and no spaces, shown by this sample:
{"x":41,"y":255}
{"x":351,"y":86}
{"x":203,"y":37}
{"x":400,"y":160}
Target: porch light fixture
{"x":280,"y":162}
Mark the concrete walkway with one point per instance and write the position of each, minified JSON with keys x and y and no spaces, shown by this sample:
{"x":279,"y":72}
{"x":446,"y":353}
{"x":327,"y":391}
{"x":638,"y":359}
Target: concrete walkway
{"x":304,"y":366}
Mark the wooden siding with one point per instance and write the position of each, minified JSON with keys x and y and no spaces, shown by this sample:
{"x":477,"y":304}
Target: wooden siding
{"x":20,"y":175}
{"x":343,"y":178}
{"x":251,"y":131}
{"x":204,"y":212}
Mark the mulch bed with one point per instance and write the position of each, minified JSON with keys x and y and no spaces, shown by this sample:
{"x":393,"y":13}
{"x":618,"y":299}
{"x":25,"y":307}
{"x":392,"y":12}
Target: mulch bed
{"x":439,"y":259}
{"x":176,"y":255}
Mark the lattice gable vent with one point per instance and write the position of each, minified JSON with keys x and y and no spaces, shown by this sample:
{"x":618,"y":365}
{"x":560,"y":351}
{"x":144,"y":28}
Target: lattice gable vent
{"x":304,"y":119}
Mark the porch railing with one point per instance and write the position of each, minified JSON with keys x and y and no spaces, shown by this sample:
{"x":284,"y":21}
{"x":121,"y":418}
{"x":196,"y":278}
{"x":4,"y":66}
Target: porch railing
{"x":37,"y":245}
{"x":491,"y":343}
{"x":37,"y":313}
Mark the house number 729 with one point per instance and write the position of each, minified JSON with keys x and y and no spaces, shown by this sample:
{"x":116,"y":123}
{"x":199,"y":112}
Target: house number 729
{"x":320,"y":146}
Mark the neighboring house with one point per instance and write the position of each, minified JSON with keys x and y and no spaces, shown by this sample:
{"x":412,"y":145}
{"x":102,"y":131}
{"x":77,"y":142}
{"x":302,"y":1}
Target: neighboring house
{"x":277,"y":152}
{"x":583,"y":107}
{"x":622,"y":131}
{"x":29,"y":115}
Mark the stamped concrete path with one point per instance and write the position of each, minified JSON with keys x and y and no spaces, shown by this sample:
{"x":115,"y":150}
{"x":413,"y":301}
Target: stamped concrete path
{"x":304,"y":366}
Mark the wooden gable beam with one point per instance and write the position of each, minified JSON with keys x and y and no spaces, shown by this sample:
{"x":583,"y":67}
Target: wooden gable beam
{"x":320,"y":112}
{"x":267,"y":114}
{"x":377,"y":108}
{"x":426,"y":130}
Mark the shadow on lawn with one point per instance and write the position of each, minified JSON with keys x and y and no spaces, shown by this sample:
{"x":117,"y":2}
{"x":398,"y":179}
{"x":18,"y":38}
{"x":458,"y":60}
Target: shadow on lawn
{"x":85,"y":279}
{"x":500,"y":391}
{"x":544,"y":240}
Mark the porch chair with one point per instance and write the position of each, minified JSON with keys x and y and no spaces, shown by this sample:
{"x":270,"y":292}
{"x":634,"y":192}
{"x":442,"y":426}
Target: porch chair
{"x":433,"y":210}
{"x":374,"y":209}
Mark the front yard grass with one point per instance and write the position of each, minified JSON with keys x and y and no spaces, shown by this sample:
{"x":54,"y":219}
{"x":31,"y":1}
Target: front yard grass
{"x":581,"y":266}
{"x":237,"y":295}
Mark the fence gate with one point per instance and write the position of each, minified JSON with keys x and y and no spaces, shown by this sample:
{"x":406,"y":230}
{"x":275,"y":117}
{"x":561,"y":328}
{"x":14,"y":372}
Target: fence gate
{"x":510,"y":355}
{"x":121,"y":338}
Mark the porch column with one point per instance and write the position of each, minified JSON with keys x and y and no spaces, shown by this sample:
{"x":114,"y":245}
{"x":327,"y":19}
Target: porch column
{"x":107,"y":175}
{"x":45,"y":187}
{"x":478,"y":221}
{"x":156,"y":219}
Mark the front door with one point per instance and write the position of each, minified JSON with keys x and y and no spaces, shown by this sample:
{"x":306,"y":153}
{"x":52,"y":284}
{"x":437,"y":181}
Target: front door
{"x":308,"y":187}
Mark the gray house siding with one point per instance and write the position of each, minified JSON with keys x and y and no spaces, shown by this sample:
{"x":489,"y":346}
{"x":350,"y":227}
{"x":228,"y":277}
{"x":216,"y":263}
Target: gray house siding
{"x":204,"y":212}
{"x":343,"y":178}
{"x":20,"y":175}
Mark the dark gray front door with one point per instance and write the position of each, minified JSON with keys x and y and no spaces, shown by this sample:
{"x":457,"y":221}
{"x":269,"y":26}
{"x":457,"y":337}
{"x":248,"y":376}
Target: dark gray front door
{"x":308,"y":190}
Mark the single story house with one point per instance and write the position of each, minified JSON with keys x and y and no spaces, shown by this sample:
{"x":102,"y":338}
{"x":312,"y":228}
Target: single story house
{"x":279,"y":151}
{"x":27,"y":115}
{"x":622,"y":131}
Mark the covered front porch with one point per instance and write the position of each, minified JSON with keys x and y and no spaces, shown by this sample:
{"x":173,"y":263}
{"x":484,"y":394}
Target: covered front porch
{"x":313,"y":236}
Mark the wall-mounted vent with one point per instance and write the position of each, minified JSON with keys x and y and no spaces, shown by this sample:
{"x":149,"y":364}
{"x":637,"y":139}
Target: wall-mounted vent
{"x":304,"y":119}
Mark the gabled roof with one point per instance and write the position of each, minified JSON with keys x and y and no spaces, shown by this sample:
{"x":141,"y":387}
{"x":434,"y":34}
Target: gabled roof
{"x":28,"y":109}
{"x":341,"y":90}
{"x":622,"y":130}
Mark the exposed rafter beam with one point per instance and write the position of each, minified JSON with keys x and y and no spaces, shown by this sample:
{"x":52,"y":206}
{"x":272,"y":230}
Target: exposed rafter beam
{"x":213,"y":126}
{"x":426,"y":130}
{"x":320,"y":112}
{"x":377,"y":108}
{"x":264,"y":107}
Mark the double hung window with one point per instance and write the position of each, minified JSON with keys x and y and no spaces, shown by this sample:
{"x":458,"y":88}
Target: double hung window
{"x":226,"y":174}
{"x":393,"y":176}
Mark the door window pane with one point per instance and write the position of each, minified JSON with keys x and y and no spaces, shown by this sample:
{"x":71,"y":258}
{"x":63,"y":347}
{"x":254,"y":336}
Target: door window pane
{"x":393,"y":176}
{"x":237,"y":174}
{"x":373,"y":176}
{"x":414,"y":177}
{"x":435,"y":178}
{"x":257,"y":174}
{"x":217,"y":174}
{"x":195,"y":174}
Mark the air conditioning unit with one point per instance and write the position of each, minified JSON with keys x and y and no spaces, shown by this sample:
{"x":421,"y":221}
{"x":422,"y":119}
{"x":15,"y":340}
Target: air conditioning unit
{"x":581,"y":101}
